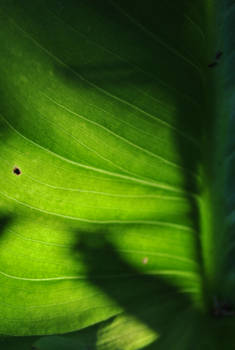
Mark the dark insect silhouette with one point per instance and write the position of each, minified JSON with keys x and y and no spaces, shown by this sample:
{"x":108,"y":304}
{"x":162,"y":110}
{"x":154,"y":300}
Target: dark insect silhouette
{"x":213,"y":64}
{"x":218,"y":55}
{"x":222,"y":309}
{"x":16,"y":171}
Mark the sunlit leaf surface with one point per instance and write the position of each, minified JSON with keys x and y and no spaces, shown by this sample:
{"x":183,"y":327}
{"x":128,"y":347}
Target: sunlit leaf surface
{"x":114,"y":173}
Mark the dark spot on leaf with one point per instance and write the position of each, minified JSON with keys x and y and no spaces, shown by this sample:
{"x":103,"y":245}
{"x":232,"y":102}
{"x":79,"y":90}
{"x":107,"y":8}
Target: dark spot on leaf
{"x":16,"y":171}
{"x":218,"y":54}
{"x":213,"y":64}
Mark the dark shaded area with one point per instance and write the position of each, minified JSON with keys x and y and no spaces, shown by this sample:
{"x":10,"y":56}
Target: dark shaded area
{"x":120,"y":74}
{"x":149,"y":298}
{"x":17,"y":343}
{"x":5,"y":220}
{"x":84,"y":339}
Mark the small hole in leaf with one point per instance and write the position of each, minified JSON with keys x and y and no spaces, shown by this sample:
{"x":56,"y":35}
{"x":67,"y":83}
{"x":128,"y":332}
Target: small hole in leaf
{"x":16,"y":171}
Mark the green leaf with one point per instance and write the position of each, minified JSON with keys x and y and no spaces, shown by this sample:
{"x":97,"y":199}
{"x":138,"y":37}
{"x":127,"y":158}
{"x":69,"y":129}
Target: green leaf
{"x":116,"y":192}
